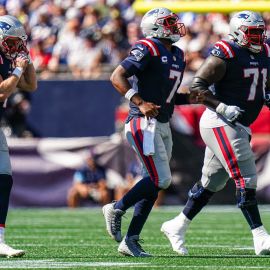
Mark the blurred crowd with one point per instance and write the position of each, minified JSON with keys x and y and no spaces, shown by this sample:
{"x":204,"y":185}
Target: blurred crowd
{"x":86,"y":38}
{"x":76,"y":37}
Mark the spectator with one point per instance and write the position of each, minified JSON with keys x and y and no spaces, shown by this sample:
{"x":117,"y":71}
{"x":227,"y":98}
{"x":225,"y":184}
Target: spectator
{"x":69,"y":41}
{"x":14,"y":118}
{"x":3,"y":10}
{"x":111,"y":53}
{"x":39,"y":55}
{"x":88,"y":183}
{"x":85,"y":62}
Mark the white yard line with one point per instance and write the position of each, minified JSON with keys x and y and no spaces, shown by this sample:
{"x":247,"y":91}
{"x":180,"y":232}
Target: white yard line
{"x":53,"y":264}
{"x":231,"y":247}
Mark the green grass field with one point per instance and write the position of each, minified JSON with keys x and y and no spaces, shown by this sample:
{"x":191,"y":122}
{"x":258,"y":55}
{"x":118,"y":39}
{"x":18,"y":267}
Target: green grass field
{"x":76,"y":239}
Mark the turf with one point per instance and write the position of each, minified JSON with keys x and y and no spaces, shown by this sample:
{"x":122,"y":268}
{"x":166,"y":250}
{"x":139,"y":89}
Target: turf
{"x":76,"y":239}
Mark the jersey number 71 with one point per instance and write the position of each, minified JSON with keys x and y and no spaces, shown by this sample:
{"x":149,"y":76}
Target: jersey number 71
{"x":248,"y":72}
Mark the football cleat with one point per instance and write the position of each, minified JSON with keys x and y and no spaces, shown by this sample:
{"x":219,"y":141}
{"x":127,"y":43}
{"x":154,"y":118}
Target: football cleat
{"x":130,"y":246}
{"x":113,"y":219}
{"x":262,"y":245}
{"x":9,"y":252}
{"x":175,"y":232}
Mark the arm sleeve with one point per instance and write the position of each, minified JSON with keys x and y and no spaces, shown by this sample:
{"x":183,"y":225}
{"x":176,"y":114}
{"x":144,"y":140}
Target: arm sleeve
{"x":181,"y":99}
{"x":137,"y":59}
{"x":211,"y":71}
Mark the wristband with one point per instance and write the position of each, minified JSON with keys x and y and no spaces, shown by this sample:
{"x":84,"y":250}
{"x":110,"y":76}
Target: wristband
{"x":130,"y":93}
{"x":18,"y":71}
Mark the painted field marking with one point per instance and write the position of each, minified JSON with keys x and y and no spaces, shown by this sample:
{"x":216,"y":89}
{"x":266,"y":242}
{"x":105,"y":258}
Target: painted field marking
{"x":147,"y":245}
{"x":52,"y":264}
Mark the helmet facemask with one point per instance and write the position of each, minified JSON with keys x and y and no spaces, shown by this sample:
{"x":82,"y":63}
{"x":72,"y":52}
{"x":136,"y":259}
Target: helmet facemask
{"x":247,"y":28}
{"x":11,"y":46}
{"x":253,"y":37}
{"x":172,"y":28}
{"x":12,"y":36}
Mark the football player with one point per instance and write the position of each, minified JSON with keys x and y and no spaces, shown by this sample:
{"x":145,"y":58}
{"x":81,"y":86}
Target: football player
{"x":156,"y":67}
{"x":238,"y":71}
{"x":16,"y":71}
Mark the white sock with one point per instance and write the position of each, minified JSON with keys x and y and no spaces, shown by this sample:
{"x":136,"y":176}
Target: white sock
{"x":182,"y":219}
{"x":2,"y":233}
{"x":258,"y":232}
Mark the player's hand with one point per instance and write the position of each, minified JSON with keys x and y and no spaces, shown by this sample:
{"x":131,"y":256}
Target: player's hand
{"x":267,"y":100}
{"x":25,"y":56}
{"x":22,"y":61}
{"x":231,"y":113}
{"x":196,"y":97}
{"x":149,"y":109}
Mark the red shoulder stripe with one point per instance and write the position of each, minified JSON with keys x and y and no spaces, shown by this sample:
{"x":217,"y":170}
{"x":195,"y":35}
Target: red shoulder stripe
{"x":154,"y":45}
{"x":147,"y":45}
{"x":229,"y":47}
{"x":151,"y":46}
{"x":226,"y":48}
{"x":223,"y":49}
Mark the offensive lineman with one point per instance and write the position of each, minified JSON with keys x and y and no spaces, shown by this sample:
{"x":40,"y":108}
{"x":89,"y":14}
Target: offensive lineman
{"x":240,"y":73}
{"x":157,"y":69}
{"x":16,"y":71}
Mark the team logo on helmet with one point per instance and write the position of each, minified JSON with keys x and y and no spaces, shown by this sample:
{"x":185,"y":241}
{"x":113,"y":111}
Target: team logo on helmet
{"x":243,"y":16}
{"x":5,"y":26}
{"x":152,"y":12}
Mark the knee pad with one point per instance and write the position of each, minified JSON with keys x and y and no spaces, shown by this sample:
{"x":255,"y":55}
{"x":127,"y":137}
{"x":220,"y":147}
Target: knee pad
{"x":246,"y":197}
{"x":199,"y":193}
{"x":164,"y":184}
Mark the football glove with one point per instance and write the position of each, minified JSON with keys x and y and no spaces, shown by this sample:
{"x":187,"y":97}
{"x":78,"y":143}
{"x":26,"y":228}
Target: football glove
{"x":229,"y":112}
{"x":267,"y":100}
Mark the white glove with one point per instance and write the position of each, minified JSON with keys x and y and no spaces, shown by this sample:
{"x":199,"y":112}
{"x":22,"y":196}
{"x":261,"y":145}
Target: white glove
{"x":231,"y":113}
